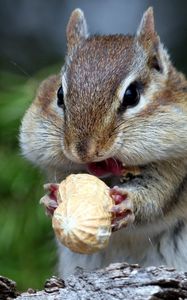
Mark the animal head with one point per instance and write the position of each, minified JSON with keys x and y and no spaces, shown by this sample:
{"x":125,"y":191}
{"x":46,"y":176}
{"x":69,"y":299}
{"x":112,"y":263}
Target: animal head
{"x":117,"y":96}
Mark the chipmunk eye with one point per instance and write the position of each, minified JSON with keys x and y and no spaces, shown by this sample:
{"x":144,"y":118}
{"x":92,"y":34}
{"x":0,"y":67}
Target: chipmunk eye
{"x":60,"y":97}
{"x":131,"y":96}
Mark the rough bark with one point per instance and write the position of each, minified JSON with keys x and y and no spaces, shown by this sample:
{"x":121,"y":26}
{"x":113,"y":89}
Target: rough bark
{"x":118,"y":281}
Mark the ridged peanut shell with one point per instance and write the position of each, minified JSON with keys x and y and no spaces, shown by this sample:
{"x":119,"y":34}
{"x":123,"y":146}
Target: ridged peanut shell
{"x":82,"y":221}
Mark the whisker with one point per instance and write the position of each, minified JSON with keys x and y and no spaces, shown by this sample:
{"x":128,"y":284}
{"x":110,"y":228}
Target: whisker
{"x":116,"y":130}
{"x":39,"y":148}
{"x":20,"y":69}
{"x":43,"y":134}
{"x":49,"y":121}
{"x":46,"y":122}
{"x":115,"y":161}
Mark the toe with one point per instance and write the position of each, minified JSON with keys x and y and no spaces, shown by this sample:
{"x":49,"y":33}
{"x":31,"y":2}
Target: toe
{"x":117,"y":195}
{"x":122,"y":221}
{"x":50,"y":199}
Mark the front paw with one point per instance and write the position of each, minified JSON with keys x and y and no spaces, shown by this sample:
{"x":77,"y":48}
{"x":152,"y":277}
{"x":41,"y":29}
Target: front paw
{"x":123,"y":209}
{"x":50,"y":199}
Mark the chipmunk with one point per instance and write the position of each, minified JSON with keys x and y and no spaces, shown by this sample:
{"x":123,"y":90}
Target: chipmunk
{"x":118,"y":103}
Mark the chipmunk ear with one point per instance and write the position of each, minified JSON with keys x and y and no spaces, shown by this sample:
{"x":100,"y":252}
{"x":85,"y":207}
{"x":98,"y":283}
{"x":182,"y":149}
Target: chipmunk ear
{"x":148,"y":37}
{"x":147,"y":27}
{"x":76,"y":31}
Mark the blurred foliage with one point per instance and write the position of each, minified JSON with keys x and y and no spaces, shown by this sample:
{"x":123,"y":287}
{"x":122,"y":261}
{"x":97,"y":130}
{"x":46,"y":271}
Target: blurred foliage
{"x":27,"y":252}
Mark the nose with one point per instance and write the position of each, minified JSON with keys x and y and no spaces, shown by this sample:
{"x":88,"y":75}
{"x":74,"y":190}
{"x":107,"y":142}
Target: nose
{"x":85,"y":150}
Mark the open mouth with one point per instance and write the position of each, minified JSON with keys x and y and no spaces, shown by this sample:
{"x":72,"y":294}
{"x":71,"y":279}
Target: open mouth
{"x":110,"y":166}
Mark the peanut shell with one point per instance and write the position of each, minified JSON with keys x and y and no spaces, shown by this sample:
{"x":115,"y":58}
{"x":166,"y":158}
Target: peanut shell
{"x":82,"y":220}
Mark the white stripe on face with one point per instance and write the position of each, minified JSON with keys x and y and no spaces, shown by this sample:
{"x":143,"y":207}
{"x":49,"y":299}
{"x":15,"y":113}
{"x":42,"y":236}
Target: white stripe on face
{"x":64,"y":84}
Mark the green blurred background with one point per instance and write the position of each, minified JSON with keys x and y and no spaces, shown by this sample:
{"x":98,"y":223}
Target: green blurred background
{"x":27,"y":251}
{"x":32,"y":47}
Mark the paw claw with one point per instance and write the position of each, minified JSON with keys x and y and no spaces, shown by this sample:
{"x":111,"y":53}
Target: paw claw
{"x":122,"y":210}
{"x":50,"y":199}
{"x":117,"y":196}
{"x":122,"y":222}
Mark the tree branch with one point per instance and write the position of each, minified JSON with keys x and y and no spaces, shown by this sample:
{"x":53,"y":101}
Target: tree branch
{"x":118,"y":281}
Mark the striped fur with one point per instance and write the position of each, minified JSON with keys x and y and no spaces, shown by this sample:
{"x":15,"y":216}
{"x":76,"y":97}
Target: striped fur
{"x":153,"y":135}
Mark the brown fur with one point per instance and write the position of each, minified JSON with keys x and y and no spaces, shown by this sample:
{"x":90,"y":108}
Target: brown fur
{"x":92,"y":127}
{"x":47,"y":93}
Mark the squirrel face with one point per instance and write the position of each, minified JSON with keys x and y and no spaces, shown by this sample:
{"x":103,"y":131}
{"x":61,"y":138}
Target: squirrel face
{"x":91,"y":103}
{"x":117,"y":96}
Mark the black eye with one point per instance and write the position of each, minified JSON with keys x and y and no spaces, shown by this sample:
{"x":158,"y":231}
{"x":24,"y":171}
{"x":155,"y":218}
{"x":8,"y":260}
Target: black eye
{"x":131,"y":97}
{"x":60,"y":97}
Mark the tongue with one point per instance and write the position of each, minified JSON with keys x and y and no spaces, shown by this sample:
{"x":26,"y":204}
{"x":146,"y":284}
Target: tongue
{"x":106,"y":167}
